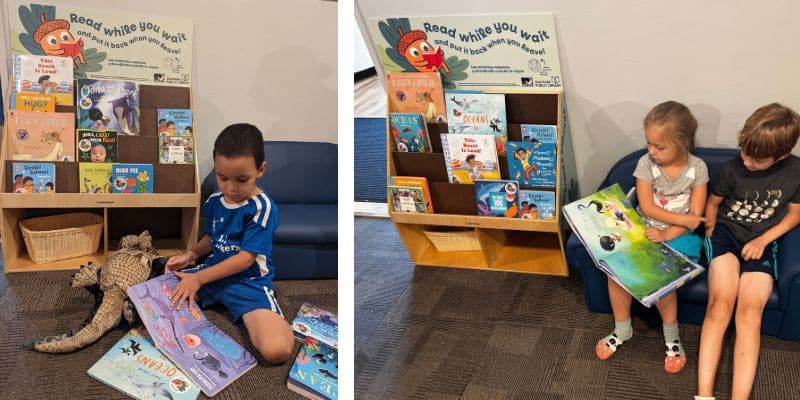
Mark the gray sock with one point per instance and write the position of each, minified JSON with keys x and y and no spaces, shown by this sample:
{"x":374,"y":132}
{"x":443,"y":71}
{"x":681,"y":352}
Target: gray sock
{"x":624,"y":329}
{"x":672,"y":338}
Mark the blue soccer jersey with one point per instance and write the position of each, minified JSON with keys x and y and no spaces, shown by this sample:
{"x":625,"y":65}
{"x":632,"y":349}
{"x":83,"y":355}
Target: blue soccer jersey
{"x":248,"y":225}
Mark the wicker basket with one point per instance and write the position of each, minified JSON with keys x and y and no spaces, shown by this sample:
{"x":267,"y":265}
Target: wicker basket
{"x":461,"y":240}
{"x":63,"y":236}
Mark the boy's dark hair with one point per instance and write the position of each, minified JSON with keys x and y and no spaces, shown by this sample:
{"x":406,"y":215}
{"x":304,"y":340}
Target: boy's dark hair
{"x":170,"y":123}
{"x":44,"y":78}
{"x":17,"y":176}
{"x":162,"y":120}
{"x":240,"y":140}
{"x":771,"y":131}
{"x":678,"y":117}
{"x":26,"y":179}
{"x":49,"y":184}
{"x":470,"y":157}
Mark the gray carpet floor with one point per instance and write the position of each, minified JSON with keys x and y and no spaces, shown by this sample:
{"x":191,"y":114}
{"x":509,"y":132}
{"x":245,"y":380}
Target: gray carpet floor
{"x":443,"y":333}
{"x":33,"y":305}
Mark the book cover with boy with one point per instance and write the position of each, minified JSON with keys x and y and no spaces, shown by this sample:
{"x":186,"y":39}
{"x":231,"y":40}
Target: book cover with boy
{"x":470,"y":157}
{"x":417,"y":92}
{"x":37,"y":136}
{"x":175,"y":122}
{"x":33,"y":177}
{"x":537,"y":204}
{"x":210,"y":357}
{"x":108,"y":105}
{"x":415,"y":181}
{"x":478,"y":113}
{"x":614,"y":234}
{"x":312,"y":321}
{"x":532,"y":164}
{"x":94,"y":177}
{"x":97,"y":146}
{"x":132,"y":178}
{"x":315,"y":372}
{"x":26,"y":101}
{"x":409,"y":132}
{"x":44,"y":75}
{"x":406,"y":199}
{"x":497,"y":198}
{"x":136,"y":367}
{"x":175,"y":149}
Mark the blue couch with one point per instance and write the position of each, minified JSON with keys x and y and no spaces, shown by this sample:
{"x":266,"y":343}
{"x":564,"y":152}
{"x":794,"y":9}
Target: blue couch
{"x":301,"y":178}
{"x":782,"y":312}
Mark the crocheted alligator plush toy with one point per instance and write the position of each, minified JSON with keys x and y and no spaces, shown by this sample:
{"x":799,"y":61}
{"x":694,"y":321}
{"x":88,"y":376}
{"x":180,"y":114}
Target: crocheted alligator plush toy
{"x":129,"y":266}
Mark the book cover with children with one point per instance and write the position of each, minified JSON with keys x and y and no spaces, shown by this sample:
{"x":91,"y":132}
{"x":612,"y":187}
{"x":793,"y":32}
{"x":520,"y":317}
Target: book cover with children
{"x":532,"y":164}
{"x":415,"y":181}
{"x":210,"y":357}
{"x":34,"y":177}
{"x":97,"y":146}
{"x":478,"y":113}
{"x":44,"y":75}
{"x":312,"y":321}
{"x":132,"y":178}
{"x":315,"y":372}
{"x":470,"y":157}
{"x":417,"y":92}
{"x":614,"y":235}
{"x":94,"y":177}
{"x":497,"y":198}
{"x":537,"y":204}
{"x":406,"y":199}
{"x":34,"y":102}
{"x":175,"y":122}
{"x":136,"y":367}
{"x":37,"y":136}
{"x":175,"y":149}
{"x":409,"y":132}
{"x":108,"y":105}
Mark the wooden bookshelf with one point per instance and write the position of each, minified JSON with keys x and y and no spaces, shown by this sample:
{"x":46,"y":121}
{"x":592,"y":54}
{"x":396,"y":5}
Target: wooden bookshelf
{"x":505,"y":244}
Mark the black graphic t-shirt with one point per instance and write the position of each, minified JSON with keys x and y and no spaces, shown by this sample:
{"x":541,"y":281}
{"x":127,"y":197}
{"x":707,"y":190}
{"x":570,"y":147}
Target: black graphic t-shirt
{"x":754,"y":201}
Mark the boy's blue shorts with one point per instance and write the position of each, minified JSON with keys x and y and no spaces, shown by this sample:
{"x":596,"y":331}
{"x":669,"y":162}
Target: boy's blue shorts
{"x":239,"y":295}
{"x":723,"y":241}
{"x":688,"y":244}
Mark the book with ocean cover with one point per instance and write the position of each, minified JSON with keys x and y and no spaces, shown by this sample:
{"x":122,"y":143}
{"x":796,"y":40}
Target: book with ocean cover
{"x":478,"y":113}
{"x":315,"y":372}
{"x":614,"y":236}
{"x":470,"y":157}
{"x":409,"y":132}
{"x":317,"y":323}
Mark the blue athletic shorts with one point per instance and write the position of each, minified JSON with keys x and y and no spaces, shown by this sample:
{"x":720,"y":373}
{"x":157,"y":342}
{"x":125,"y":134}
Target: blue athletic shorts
{"x":239,"y":295}
{"x":688,"y":244}
{"x":722,"y":241}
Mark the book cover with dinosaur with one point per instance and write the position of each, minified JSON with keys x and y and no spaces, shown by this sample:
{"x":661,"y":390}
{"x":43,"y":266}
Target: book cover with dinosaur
{"x":97,"y":146}
{"x":37,"y":136}
{"x":469,"y":157}
{"x":410,"y":133}
{"x":317,"y":323}
{"x":108,"y":105}
{"x":137,"y":368}
{"x":94,"y":177}
{"x":315,"y":372}
{"x":33,"y":177}
{"x":478,"y":113}
{"x":417,"y":92}
{"x":132,"y":178}
{"x":203,"y":351}
{"x":497,"y":198}
{"x":537,"y":204}
{"x":175,"y":149}
{"x":175,"y":122}
{"x":34,"y":102}
{"x":44,"y":75}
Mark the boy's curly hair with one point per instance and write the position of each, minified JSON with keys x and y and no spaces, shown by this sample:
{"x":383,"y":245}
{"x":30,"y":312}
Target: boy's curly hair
{"x":770,"y":132}
{"x":681,"y":121}
{"x":239,"y":140}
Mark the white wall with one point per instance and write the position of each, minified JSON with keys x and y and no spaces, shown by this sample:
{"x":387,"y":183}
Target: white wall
{"x":360,"y":53}
{"x":619,"y":58}
{"x":271,"y":63}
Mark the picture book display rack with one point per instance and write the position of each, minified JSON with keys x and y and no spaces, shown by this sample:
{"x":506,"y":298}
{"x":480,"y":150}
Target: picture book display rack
{"x":503,"y":244}
{"x":171,"y":213}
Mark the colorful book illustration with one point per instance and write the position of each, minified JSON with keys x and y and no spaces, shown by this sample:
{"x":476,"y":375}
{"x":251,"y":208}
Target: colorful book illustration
{"x":34,"y":177}
{"x":137,"y":368}
{"x":132,"y":178}
{"x":532,"y":164}
{"x":315,"y":372}
{"x":497,"y":198}
{"x":406,"y":199}
{"x":97,"y":146}
{"x":36,"y":136}
{"x":312,"y":321}
{"x":614,"y":235}
{"x":478,"y":113}
{"x":470,"y":157}
{"x":414,"y":181}
{"x":537,"y":204}
{"x":94,"y":177}
{"x":26,"y":101}
{"x":175,"y":122}
{"x":175,"y":149}
{"x":417,"y":92}
{"x":108,"y":105}
{"x":410,"y":133}
{"x":204,"y":352}
{"x":44,"y":75}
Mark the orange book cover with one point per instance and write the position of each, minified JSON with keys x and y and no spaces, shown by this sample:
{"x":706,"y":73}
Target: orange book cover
{"x":417,"y":92}
{"x":414,"y":181}
{"x":36,"y":136}
{"x":35,"y":102}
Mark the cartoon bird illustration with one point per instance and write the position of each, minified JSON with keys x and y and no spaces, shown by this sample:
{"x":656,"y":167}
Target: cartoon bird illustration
{"x":414,"y":47}
{"x":495,"y":124}
{"x":464,"y":103}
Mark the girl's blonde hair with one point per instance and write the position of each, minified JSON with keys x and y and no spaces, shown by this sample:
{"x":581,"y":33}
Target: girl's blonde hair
{"x":682,"y":123}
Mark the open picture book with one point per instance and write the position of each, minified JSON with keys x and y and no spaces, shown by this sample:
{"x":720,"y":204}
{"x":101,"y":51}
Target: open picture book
{"x":614,"y":236}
